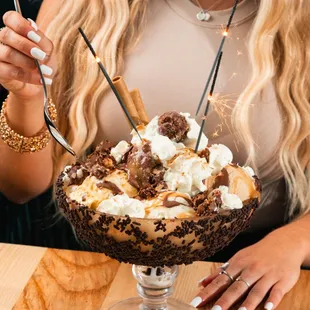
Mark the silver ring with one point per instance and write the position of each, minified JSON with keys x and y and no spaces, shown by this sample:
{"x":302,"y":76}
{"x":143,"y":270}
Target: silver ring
{"x":228,"y":275}
{"x":224,"y":266}
{"x":239,"y":279}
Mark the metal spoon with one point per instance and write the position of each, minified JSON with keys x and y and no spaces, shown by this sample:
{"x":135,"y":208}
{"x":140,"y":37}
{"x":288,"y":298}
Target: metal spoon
{"x":55,"y":133}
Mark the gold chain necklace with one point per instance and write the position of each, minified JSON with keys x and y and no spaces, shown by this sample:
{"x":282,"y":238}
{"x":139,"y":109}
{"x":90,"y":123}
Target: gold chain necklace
{"x":204,"y":14}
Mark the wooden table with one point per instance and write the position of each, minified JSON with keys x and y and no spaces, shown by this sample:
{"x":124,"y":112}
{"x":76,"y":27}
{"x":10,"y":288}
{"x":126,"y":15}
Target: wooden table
{"x":40,"y":278}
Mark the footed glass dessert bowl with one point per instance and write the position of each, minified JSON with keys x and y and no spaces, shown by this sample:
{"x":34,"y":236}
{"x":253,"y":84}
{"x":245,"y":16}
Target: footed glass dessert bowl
{"x":156,"y":204}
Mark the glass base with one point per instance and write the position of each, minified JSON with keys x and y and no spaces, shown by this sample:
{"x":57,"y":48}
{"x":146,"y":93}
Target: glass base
{"x":137,"y":304}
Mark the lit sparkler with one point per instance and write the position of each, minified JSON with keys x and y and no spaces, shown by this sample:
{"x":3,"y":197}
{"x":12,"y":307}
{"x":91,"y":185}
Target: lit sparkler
{"x":222,"y":106}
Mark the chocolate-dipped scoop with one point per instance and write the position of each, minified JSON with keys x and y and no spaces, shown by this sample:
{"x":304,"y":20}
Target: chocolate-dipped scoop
{"x":140,"y":165}
{"x":239,"y":182}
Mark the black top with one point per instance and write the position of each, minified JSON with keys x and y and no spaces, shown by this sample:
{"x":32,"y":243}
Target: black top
{"x":29,"y":8}
{"x":37,"y":223}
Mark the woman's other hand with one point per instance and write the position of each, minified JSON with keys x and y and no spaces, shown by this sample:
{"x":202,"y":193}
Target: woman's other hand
{"x":22,"y":42}
{"x":269,"y":268}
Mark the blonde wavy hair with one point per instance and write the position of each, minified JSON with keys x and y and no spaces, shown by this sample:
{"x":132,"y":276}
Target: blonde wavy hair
{"x":278,"y":53}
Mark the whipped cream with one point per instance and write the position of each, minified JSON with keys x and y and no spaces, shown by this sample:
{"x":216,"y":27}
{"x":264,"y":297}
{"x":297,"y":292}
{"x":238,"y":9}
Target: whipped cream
{"x":79,"y":173}
{"x":147,"y":132}
{"x":123,"y":205}
{"x":186,"y":174}
{"x":193,"y":134}
{"x":220,"y":156}
{"x":163,"y":148}
{"x":120,"y":150}
{"x":249,"y":171}
{"x":230,"y":201}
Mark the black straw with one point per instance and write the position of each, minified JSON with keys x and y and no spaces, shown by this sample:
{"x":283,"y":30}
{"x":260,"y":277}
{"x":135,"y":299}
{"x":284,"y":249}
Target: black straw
{"x":208,"y":103}
{"x":217,"y":56}
{"x":104,"y":71}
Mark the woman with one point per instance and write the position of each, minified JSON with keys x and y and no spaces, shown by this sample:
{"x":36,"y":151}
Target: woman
{"x":162,"y":48}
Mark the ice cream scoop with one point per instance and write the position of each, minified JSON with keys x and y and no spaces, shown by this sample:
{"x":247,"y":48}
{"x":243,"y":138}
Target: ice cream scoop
{"x":239,"y":182}
{"x":140,"y":164}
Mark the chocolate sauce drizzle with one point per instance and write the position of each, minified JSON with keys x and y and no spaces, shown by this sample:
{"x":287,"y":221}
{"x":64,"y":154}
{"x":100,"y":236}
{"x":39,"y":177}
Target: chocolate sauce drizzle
{"x":173,"y":203}
{"x":222,"y":179}
{"x":110,"y":186}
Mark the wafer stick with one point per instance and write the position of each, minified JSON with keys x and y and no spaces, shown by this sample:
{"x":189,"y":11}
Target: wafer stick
{"x":123,"y":91}
{"x":137,"y":99}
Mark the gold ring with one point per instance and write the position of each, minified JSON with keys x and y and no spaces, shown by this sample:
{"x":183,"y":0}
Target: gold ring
{"x":228,"y":275}
{"x":239,"y":279}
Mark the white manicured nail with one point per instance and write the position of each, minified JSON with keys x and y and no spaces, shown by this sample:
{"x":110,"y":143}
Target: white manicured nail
{"x":37,"y":53}
{"x":33,"y":24}
{"x":46,"y":70}
{"x":217,"y":308}
{"x":242,"y":308}
{"x":196,"y":302}
{"x":31,"y":35}
{"x":269,"y":306}
{"x":47,"y":81}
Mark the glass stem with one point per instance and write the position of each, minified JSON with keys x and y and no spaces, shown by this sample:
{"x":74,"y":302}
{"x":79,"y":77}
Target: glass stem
{"x":154,"y":299}
{"x":155,"y":285}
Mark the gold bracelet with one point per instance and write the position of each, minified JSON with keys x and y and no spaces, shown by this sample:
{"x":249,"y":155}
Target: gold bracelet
{"x":19,"y":143}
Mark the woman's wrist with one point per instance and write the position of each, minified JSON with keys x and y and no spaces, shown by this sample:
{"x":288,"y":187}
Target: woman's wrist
{"x":25,"y":115}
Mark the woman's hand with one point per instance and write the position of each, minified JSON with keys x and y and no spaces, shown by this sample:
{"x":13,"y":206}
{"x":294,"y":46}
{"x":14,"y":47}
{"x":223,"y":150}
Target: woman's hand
{"x":22,"y":42}
{"x":269,"y":268}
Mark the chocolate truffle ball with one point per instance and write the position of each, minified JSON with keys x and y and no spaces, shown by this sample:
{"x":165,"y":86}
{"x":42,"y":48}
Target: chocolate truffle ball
{"x":173,"y":125}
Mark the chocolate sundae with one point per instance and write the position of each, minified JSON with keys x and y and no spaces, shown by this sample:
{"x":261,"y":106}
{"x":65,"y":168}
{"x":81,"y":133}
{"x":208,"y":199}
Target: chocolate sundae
{"x":153,"y":200}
